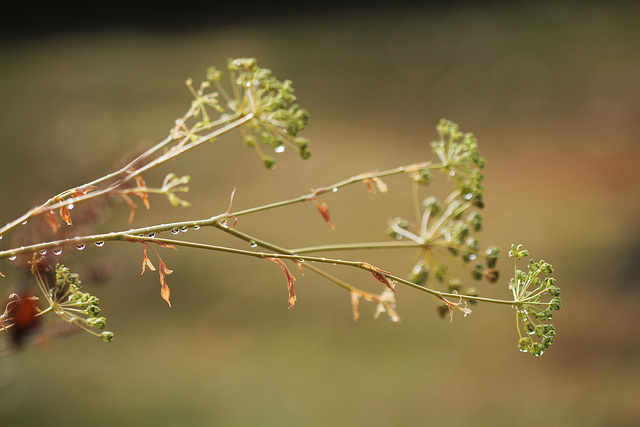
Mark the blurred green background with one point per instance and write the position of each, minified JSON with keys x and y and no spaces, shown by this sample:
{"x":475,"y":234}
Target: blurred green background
{"x":551,"y":90}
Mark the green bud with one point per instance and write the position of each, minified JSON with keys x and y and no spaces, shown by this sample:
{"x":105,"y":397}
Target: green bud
{"x":107,"y":336}
{"x":269,"y":162}
{"x":537,"y":349}
{"x":97,"y":322}
{"x":530,"y":328}
{"x":250,"y":141}
{"x":419,"y":273}
{"x":478,"y":272}
{"x":93,"y":310}
{"x":556,"y":303}
{"x":525,"y":344}
{"x":517,"y":252}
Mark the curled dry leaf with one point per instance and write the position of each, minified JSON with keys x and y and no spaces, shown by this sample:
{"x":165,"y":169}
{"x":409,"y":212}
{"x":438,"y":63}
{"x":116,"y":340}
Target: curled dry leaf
{"x":141,"y":193}
{"x":52,"y":220}
{"x":380,"y":275}
{"x":290,"y":280}
{"x":132,"y":206}
{"x":65,"y":214}
{"x":373,"y":183}
{"x":324,"y":211}
{"x":165,"y":292}
{"x":355,"y":304}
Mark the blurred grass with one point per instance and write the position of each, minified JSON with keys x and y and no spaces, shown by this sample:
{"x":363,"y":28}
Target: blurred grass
{"x":550,"y":90}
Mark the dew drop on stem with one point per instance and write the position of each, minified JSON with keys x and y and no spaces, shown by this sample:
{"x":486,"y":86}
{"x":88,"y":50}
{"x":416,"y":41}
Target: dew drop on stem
{"x":196,"y":227}
{"x":175,"y":230}
{"x":12,"y":258}
{"x":185,"y":229}
{"x":99,"y":244}
{"x":81,"y":246}
{"x":253,"y":244}
{"x":57,"y":251}
{"x":151,"y":235}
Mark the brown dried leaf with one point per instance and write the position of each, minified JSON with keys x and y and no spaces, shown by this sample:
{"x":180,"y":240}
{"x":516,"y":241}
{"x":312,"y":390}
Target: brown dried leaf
{"x":380,"y":275}
{"x":324,"y":211}
{"x":146,"y":262}
{"x":142,"y":194}
{"x":52,"y":220}
{"x":290,"y":280}
{"x":355,"y":304}
{"x":65,"y":214}
{"x":132,"y":206}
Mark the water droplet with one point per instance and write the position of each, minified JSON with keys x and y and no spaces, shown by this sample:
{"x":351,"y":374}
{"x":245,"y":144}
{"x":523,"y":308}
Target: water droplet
{"x":12,"y":258}
{"x":151,"y":235}
{"x":279,"y":149}
{"x":175,"y":230}
{"x":185,"y":229}
{"x":334,"y":189}
{"x":24,"y":223}
{"x":452,"y":173}
{"x":57,"y":251}
{"x":467,"y":196}
{"x":43,"y":252}
{"x":0,"y":237}
{"x":81,"y":246}
{"x":99,"y":244}
{"x":472,"y":257}
{"x":196,"y":227}
{"x":70,"y":206}
{"x":253,"y":244}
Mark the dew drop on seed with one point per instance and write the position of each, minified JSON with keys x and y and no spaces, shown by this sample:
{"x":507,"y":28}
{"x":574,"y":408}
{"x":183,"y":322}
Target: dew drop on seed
{"x":472,"y":257}
{"x":175,"y":230}
{"x":452,"y":173}
{"x":279,"y":149}
{"x":57,"y":251}
{"x":12,"y":258}
{"x":151,"y":235}
{"x":99,"y":244}
{"x":185,"y":229}
{"x":467,"y":196}
{"x":81,"y":246}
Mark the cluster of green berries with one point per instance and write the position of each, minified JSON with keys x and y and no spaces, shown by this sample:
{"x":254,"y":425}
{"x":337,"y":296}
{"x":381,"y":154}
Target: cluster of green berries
{"x":75,"y":306}
{"x":277,"y":118}
{"x":461,"y":160}
{"x":537,"y":299}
